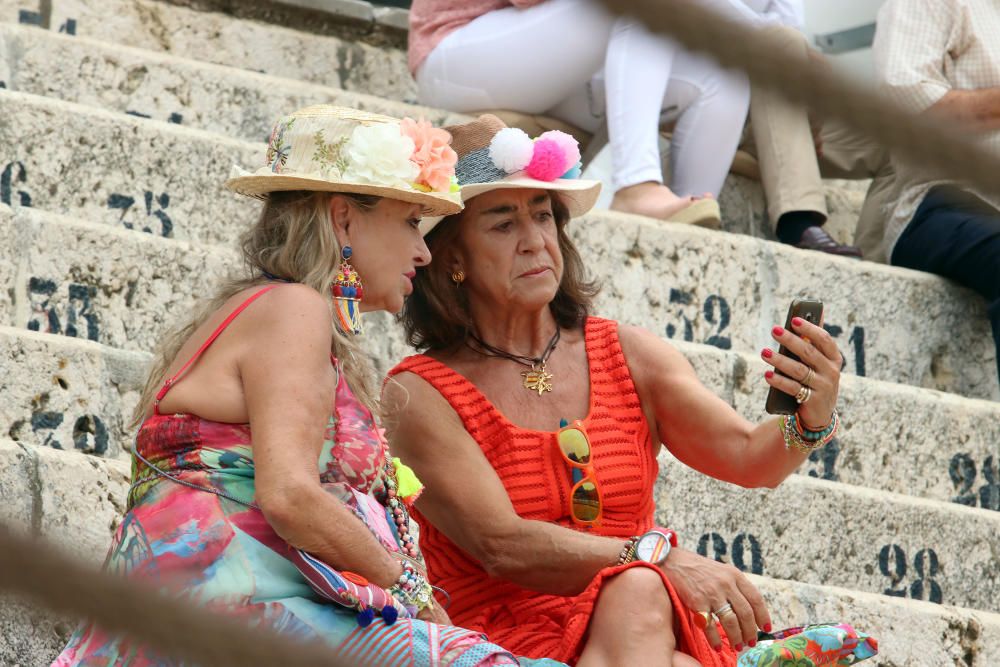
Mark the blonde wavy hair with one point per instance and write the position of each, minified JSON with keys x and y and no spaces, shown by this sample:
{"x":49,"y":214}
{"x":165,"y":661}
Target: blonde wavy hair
{"x":293,"y":239}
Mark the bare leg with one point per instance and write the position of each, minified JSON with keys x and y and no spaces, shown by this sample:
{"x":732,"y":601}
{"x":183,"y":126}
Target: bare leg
{"x":633,"y":624}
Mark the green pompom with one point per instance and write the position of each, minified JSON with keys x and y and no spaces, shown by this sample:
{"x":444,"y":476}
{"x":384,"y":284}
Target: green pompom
{"x":409,"y":487}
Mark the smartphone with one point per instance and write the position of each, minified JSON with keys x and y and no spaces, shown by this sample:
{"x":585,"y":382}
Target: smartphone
{"x":810,"y":310}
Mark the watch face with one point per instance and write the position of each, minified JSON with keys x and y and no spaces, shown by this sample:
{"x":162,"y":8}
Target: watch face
{"x":652,"y":547}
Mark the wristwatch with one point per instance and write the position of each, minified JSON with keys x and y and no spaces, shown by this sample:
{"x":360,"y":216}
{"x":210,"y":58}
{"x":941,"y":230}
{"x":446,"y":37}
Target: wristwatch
{"x":654,"y":546}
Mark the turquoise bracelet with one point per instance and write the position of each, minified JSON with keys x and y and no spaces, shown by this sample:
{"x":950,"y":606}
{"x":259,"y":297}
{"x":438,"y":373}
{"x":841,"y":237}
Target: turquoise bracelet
{"x":815,"y":435}
{"x":794,"y":440}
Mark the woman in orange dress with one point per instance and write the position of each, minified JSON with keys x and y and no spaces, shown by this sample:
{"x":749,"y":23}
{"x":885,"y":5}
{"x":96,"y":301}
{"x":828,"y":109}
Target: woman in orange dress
{"x":536,"y":429}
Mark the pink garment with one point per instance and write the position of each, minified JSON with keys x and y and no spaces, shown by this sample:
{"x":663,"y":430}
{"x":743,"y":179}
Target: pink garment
{"x":433,"y":20}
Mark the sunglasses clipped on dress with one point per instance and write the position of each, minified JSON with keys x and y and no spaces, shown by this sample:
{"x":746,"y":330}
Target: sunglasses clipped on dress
{"x":585,"y":496}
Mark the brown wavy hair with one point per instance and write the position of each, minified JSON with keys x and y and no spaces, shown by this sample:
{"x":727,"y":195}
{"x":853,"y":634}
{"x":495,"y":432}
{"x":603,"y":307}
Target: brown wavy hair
{"x":437,"y":316}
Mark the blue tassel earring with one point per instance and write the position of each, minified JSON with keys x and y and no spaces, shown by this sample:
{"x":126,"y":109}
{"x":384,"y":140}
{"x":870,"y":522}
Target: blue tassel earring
{"x":348,"y":291}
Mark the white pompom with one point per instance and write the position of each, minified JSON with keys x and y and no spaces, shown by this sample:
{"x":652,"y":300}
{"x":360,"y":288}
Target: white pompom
{"x":511,"y":149}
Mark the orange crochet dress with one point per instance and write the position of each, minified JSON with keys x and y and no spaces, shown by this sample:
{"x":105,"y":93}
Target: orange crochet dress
{"x":538,"y":482}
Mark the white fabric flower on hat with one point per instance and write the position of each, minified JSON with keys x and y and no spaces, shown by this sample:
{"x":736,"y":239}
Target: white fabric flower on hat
{"x":379,"y":154}
{"x":511,"y":149}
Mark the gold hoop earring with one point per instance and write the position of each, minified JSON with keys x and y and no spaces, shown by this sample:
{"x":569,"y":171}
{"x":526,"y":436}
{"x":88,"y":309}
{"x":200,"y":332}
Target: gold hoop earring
{"x":458,"y":277}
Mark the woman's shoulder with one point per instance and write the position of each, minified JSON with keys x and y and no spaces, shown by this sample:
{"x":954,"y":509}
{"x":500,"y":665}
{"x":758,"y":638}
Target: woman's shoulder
{"x":283,"y":312}
{"x":424,"y":363}
{"x":640,"y":345}
{"x":292,"y":301}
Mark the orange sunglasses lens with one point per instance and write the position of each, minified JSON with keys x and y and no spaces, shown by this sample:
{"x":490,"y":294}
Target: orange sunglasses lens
{"x":586,"y":502}
{"x":574,"y":445}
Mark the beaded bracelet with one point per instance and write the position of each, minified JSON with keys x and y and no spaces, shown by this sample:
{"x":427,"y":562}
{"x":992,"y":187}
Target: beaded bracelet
{"x":627,"y":554}
{"x":815,"y":435}
{"x":412,"y":590}
{"x":794,"y":440}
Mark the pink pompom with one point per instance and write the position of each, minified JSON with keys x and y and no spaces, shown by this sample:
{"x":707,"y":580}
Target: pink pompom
{"x":569,"y":145}
{"x":548,"y":162}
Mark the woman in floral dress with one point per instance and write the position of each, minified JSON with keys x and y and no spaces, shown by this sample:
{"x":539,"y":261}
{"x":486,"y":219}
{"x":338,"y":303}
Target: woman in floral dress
{"x":262,"y":487}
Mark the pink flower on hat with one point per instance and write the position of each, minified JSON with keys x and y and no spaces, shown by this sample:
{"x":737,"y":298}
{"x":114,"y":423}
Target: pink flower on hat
{"x":432,"y":153}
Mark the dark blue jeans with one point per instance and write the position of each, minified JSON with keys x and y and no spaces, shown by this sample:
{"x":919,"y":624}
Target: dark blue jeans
{"x":956,"y":235}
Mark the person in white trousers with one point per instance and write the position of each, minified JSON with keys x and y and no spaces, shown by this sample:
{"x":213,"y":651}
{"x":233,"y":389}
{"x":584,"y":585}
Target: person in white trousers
{"x":571,"y":60}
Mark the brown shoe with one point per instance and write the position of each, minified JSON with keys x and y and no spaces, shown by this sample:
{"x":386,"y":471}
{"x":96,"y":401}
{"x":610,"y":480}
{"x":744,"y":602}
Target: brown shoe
{"x":816,"y":238}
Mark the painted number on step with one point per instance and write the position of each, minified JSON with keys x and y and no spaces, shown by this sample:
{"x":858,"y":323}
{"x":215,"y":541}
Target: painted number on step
{"x":12,"y":179}
{"x":892,"y":563}
{"x":74,"y":317}
{"x":154,"y":221}
{"x":28,"y":17}
{"x":962,"y":470}
{"x":89,"y":434}
{"x":174,"y":117}
{"x":685,"y":311}
{"x":824,"y":461}
{"x":745,"y":554}
{"x":855,"y":346}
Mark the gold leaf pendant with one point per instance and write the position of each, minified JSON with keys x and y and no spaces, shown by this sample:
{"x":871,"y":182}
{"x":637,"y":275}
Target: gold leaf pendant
{"x":537,"y":379}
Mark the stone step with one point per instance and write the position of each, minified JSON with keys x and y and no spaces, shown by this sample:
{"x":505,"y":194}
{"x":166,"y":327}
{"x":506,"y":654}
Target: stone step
{"x":911,"y":633}
{"x":222,"y":99}
{"x":122,"y":289}
{"x":63,"y":393}
{"x":81,"y":516}
{"x":728,"y":290}
{"x":73,"y":500}
{"x":243,"y":105}
{"x":126,"y":172}
{"x":695,"y":291}
{"x":829,"y":533}
{"x":341,"y":58}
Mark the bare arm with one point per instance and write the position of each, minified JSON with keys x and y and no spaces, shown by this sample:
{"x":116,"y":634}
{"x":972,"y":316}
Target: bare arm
{"x":977,"y":110}
{"x":704,"y":432}
{"x":464,"y":498}
{"x":289,"y":385}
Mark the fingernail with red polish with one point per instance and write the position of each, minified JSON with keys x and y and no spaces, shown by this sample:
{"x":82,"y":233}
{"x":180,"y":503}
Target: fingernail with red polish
{"x":767,"y":627}
{"x":752,"y":643}
{"x":769,"y":374}
{"x":798,"y":321}
{"x":767,"y":353}
{"x":738,"y":647}
{"x":718,"y":649}
{"x":777,"y":331}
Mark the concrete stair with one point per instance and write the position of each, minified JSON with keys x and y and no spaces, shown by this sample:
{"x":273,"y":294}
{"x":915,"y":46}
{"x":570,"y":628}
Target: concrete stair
{"x":343,"y":61}
{"x":111,"y":225}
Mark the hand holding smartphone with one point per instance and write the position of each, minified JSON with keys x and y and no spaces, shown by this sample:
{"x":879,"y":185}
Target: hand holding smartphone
{"x":810,"y":310}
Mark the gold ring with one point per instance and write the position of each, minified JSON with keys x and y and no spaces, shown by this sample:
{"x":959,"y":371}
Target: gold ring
{"x":810,"y":373}
{"x":805,"y":393}
{"x":724,"y":609}
{"x":705,"y":617}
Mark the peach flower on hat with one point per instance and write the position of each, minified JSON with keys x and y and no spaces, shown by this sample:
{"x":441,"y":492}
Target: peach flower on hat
{"x":432,"y":153}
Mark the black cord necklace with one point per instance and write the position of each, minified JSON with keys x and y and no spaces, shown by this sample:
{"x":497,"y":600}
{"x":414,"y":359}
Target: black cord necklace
{"x":537,"y":377}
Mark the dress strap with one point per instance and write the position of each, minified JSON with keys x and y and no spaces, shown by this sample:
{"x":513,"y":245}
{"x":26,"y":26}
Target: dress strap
{"x":170,"y":382}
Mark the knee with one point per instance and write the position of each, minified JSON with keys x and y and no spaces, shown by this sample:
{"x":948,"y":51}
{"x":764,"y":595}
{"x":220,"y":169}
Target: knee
{"x":641,"y":593}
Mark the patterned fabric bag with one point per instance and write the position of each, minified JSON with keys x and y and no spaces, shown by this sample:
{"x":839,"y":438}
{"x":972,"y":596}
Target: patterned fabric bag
{"x":811,"y":646}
